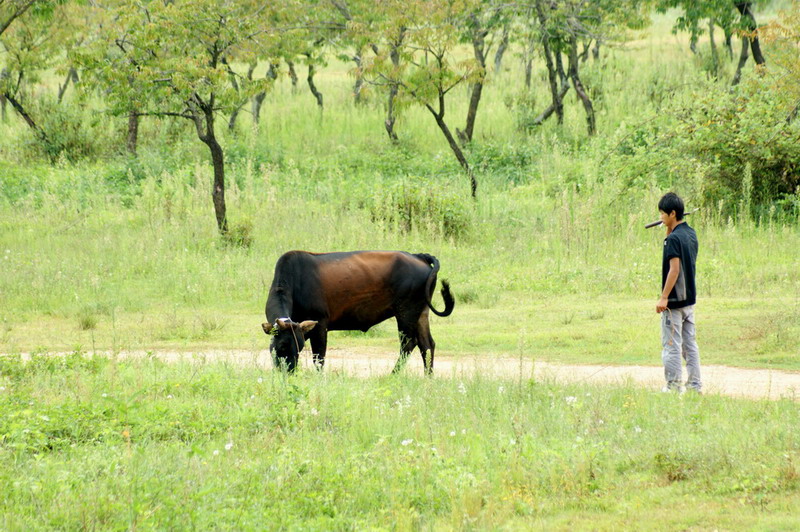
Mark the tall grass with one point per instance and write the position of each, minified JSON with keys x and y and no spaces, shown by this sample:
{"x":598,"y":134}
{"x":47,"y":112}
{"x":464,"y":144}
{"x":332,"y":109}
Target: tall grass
{"x":116,"y":252}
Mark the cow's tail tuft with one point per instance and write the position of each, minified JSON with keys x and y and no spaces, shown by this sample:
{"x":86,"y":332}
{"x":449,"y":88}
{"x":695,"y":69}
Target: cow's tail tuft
{"x":449,"y":301}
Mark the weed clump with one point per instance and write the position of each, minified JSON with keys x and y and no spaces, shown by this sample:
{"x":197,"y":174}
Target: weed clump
{"x":424,"y":206}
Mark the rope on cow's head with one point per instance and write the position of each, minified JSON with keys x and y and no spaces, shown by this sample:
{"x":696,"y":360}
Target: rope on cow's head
{"x":294,"y":335}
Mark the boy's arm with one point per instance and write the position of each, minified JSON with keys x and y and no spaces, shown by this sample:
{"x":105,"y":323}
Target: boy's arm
{"x":672,"y":277}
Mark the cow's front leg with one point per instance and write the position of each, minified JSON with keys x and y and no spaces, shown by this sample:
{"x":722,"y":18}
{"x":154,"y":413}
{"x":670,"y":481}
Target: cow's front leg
{"x":319,"y":344}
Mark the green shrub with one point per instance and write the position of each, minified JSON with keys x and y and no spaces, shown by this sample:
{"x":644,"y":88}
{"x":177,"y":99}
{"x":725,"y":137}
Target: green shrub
{"x":706,"y":144}
{"x":424,"y":205}
{"x":70,"y":134}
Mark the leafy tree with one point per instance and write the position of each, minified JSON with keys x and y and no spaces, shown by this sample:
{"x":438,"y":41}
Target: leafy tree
{"x":733,"y":16}
{"x":485,"y":24}
{"x":29,"y":46}
{"x":563,"y":26}
{"x":168,"y":59}
{"x":783,"y":38}
{"x":11,"y":10}
{"x":417,"y":58}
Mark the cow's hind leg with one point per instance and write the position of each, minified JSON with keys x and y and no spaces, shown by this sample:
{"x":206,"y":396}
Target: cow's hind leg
{"x":408,"y":341}
{"x":425,"y":342}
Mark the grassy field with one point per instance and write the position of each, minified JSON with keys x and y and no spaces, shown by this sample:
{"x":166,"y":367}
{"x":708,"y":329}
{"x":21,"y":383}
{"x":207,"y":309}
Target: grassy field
{"x":551,"y":262}
{"x":93,"y":443}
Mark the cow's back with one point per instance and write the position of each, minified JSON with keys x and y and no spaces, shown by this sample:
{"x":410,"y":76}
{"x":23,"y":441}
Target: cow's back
{"x":349,"y":290}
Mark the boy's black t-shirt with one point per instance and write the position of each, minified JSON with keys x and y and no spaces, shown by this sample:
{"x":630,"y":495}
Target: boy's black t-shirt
{"x":681,"y":243}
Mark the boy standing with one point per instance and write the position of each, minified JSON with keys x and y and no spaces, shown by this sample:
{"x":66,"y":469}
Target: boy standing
{"x":678,"y":296}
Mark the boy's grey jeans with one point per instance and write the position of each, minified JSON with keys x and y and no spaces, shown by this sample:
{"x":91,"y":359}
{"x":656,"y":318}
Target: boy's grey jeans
{"x":678,"y":341}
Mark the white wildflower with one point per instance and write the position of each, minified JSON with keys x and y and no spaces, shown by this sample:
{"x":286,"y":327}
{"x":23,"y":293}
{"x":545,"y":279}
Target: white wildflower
{"x":637,"y":428}
{"x":314,"y":412}
{"x":512,"y":441}
{"x":105,"y":395}
{"x":501,"y":389}
{"x":229,"y":446}
{"x":571,"y":400}
{"x":169,"y":396}
{"x":407,"y":442}
{"x":452,"y":433}
{"x":216,"y":452}
{"x":462,"y":389}
{"x":260,"y":380}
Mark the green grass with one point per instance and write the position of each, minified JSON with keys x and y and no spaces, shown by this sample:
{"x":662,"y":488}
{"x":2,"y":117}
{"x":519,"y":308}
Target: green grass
{"x":117,"y":444}
{"x":550,"y":262}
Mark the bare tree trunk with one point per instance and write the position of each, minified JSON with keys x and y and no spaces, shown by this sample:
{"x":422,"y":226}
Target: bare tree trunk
{"x":501,"y":48}
{"x":234,"y":116}
{"x":579,"y":88}
{"x":585,"y":53}
{"x":258,"y":99}
{"x":292,"y":74}
{"x":539,"y":120}
{"x":3,"y":100}
{"x":390,"y":118}
{"x":737,"y":77}
{"x":72,"y":76}
{"x":133,"y":132}
{"x":747,"y":15}
{"x":203,"y":117}
{"x":596,"y":50}
{"x":552,"y":73}
{"x":528,"y":72}
{"x":312,"y":86}
{"x":693,"y":42}
{"x":479,"y":49}
{"x":714,"y":52}
{"x":18,"y":107}
{"x":359,"y":78}
{"x":393,"y":89}
{"x":728,"y":42}
{"x":462,"y":160}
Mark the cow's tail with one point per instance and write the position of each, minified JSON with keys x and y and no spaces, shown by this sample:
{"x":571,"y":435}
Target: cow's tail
{"x":430,"y":285}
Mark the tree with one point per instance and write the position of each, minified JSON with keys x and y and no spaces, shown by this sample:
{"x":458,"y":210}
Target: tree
{"x":783,"y":37}
{"x":485,"y":24}
{"x":563,"y":26}
{"x":424,"y":35}
{"x":167,"y":58}
{"x":29,"y":47}
{"x":733,"y":16}
{"x":11,"y":10}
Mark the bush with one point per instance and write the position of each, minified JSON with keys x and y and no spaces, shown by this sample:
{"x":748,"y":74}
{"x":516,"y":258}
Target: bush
{"x":70,"y":134}
{"x":720,"y":145}
{"x":423,"y":205}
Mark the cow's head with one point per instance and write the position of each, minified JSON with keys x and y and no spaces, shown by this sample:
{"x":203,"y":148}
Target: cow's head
{"x":288,"y":339}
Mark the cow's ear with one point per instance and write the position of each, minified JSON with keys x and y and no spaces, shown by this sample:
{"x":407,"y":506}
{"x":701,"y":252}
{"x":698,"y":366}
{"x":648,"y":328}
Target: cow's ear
{"x":284,"y":323}
{"x":307,"y":325}
{"x":267,"y":327}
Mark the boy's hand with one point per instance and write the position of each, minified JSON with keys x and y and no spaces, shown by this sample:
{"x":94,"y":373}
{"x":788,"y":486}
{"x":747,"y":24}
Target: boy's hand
{"x":661,"y":306}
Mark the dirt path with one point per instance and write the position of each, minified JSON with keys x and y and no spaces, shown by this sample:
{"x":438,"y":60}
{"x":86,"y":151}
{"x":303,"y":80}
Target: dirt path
{"x":724,"y":380}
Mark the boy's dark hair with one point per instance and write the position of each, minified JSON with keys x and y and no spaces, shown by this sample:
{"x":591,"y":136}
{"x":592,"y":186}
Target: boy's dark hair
{"x":671,"y":202}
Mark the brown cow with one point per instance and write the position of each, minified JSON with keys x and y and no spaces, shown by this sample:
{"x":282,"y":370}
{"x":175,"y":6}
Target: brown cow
{"x":313,"y":293}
